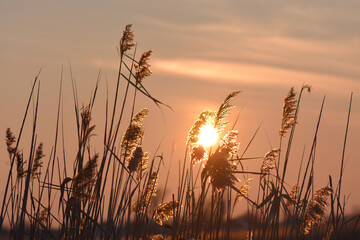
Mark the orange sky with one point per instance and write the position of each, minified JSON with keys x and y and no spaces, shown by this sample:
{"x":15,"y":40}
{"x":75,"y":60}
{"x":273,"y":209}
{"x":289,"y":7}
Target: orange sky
{"x":203,"y":50}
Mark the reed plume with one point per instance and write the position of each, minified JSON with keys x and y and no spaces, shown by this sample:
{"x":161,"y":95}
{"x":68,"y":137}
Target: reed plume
{"x":289,"y":108}
{"x":315,"y":210}
{"x":134,"y":133}
{"x":20,"y":164}
{"x":135,"y":159}
{"x":143,"y":67}
{"x":85,"y":178}
{"x":164,"y":211}
{"x":198,"y":153}
{"x":10,"y":140}
{"x":223,"y":112}
{"x":37,"y":161}
{"x":205,"y":117}
{"x":219,"y":168}
{"x":268,"y":162}
{"x":294,"y":194}
{"x":42,"y":219}
{"x":157,"y":237}
{"x":244,"y":190}
{"x":87,"y":129}
{"x":127,"y":40}
{"x":140,"y":206}
{"x":138,"y":162}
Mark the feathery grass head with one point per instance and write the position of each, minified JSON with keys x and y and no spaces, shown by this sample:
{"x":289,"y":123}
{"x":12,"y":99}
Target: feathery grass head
{"x":223,"y":111}
{"x":289,"y":108}
{"x":205,"y":117}
{"x":135,"y":159}
{"x":85,"y":178}
{"x":127,"y":40}
{"x":294,"y":194}
{"x":42,"y":219}
{"x":268,"y":162}
{"x":140,"y":206}
{"x":10,"y":139}
{"x":143,"y":67}
{"x":86,"y":128}
{"x":164,"y":211}
{"x":244,"y":190}
{"x":37,"y":161}
{"x":198,"y":154}
{"x":315,"y":210}
{"x":134,"y":133}
{"x":219,"y":169}
{"x":20,"y":164}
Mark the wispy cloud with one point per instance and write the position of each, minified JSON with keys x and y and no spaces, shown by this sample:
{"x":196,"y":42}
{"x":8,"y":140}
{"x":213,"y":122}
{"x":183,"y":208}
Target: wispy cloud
{"x":222,"y":72}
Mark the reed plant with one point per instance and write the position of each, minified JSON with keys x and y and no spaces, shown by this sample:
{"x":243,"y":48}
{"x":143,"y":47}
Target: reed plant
{"x":111,"y":194}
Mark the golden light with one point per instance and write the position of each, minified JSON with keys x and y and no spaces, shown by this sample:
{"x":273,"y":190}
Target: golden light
{"x":208,"y":136}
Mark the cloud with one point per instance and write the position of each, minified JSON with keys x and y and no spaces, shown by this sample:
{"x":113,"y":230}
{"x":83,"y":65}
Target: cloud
{"x":252,"y":74}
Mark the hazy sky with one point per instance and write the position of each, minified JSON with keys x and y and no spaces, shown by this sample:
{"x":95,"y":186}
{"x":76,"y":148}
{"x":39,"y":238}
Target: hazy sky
{"x":203,"y":50}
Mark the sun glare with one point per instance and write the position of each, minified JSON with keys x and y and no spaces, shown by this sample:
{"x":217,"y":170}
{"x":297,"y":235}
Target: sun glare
{"x":207,"y":136}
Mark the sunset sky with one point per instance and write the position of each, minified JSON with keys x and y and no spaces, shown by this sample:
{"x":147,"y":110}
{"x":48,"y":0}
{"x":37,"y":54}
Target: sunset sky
{"x":203,"y":50}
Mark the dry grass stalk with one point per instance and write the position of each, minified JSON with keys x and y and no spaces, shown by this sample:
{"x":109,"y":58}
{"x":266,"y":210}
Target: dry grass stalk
{"x":134,"y":133}
{"x":268,"y":162}
{"x":315,"y":210}
{"x":289,"y":108}
{"x":140,"y":206}
{"x":219,"y":169}
{"x":10,"y":140}
{"x":37,"y":161}
{"x":244,"y":190}
{"x":84,"y":180}
{"x":223,"y":112}
{"x":143,"y":68}
{"x":127,"y":40}
{"x":164,"y":211}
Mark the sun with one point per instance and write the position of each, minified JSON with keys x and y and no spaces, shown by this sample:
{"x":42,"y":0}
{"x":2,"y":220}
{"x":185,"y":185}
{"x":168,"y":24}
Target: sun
{"x":208,"y":136}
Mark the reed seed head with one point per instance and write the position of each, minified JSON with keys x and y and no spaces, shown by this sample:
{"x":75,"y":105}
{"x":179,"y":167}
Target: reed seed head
{"x":37,"y":161}
{"x":127,"y":40}
{"x":20,"y":165}
{"x":135,"y":159}
{"x":143,"y":67}
{"x":244,"y":190}
{"x":294,"y":194}
{"x":198,"y":154}
{"x":10,"y":139}
{"x":223,"y":112}
{"x":134,"y":133}
{"x":219,"y":168}
{"x":205,"y":117}
{"x":289,"y":108}
{"x":140,"y":206}
{"x":268,"y":162}
{"x":315,"y":210}
{"x":164,"y":211}
{"x":85,"y":179}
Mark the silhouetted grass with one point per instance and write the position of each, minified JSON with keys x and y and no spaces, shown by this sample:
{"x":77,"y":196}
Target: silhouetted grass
{"x":110,"y":194}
